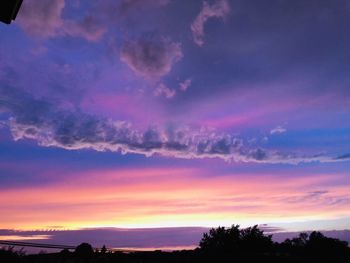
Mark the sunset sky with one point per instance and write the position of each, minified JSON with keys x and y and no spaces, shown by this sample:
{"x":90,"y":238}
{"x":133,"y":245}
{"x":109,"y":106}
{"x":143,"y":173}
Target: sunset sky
{"x":174,"y":115}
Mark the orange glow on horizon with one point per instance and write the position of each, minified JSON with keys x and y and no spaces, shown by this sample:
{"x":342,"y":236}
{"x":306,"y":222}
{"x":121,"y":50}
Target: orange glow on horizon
{"x":142,"y":198}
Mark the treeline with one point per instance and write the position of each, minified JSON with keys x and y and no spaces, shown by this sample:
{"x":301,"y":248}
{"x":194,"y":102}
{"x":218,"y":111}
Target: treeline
{"x":218,"y":245}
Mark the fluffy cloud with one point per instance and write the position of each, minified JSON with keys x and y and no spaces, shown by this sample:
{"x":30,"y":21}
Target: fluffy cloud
{"x":151,"y":57}
{"x":38,"y":120}
{"x":44,"y":19}
{"x":162,"y":89}
{"x":220,"y":9}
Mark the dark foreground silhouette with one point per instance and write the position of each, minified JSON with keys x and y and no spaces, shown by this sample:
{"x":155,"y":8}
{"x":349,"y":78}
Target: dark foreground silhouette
{"x":219,"y":245}
{"x":9,"y":10}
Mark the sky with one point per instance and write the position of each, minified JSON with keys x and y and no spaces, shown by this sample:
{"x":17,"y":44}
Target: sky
{"x":173,"y":117}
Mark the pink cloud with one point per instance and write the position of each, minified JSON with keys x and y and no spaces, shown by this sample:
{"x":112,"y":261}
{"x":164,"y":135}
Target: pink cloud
{"x":220,"y":9}
{"x":185,"y":84}
{"x":44,"y":19}
{"x":163,"y":90}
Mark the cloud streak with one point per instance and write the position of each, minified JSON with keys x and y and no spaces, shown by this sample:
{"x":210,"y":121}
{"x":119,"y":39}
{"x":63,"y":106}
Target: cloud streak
{"x":220,"y":9}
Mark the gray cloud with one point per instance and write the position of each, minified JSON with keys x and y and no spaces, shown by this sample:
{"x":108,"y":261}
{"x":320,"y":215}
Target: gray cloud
{"x":343,"y":157}
{"x":220,"y":9}
{"x":151,"y":57}
{"x":38,"y":120}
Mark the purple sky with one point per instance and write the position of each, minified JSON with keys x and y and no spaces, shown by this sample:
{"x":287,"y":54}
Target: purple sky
{"x":160,"y":113}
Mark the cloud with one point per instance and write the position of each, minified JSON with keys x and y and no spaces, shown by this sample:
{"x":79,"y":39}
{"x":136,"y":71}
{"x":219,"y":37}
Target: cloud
{"x":185,"y":84}
{"x":44,"y":19}
{"x":115,"y":237}
{"x":126,"y":5}
{"x":278,"y":130}
{"x":162,"y":89}
{"x":343,"y":157}
{"x":41,"y":18}
{"x":220,"y":9}
{"x":151,"y":57}
{"x":87,"y":28}
{"x":38,"y":120}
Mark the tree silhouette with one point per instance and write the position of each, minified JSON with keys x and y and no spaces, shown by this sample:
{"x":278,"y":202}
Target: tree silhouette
{"x":233,"y":240}
{"x":253,"y":239}
{"x":103,"y":250}
{"x":316,"y":246}
{"x":220,"y":239}
{"x":84,"y":252}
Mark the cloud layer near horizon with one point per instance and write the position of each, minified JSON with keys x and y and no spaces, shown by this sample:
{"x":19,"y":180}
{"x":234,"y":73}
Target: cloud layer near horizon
{"x":162,"y":238}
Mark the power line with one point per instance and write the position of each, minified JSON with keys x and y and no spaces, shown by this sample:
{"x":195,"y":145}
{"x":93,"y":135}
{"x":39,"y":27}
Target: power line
{"x":40,"y":245}
{"x":56,"y":246}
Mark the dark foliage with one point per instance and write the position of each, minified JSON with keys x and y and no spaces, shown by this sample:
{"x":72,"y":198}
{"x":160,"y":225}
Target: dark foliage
{"x":232,"y":242}
{"x":84,"y":252}
{"x":316,"y":247}
{"x":219,"y":245}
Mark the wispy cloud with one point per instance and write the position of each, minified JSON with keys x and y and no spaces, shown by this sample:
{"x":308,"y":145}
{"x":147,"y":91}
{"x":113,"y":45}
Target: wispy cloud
{"x":219,"y":9}
{"x":278,"y":129}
